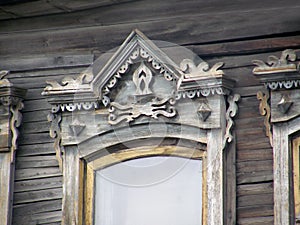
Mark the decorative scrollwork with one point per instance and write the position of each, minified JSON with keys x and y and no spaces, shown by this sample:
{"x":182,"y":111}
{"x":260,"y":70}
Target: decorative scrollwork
{"x":71,"y":107}
{"x":265,"y":110}
{"x":287,"y":84}
{"x":70,"y":83}
{"x":55,"y":132}
{"x":129,"y":112}
{"x":277,"y":65}
{"x":145,"y":56}
{"x":3,"y":81}
{"x":202,"y":70}
{"x":230,"y":113}
{"x":205,"y":92}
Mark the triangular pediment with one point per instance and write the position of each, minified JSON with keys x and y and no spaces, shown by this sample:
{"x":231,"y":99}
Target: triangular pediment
{"x":135,"y":49}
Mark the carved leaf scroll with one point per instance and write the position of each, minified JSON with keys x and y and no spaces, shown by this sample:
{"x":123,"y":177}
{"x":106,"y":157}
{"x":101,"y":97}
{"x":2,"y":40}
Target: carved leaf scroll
{"x":277,"y":65}
{"x":202,"y":70}
{"x":70,"y":83}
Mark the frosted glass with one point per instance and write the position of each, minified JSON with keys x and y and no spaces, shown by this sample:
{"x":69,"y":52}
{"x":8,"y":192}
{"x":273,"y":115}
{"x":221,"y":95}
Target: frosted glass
{"x":150,"y":191}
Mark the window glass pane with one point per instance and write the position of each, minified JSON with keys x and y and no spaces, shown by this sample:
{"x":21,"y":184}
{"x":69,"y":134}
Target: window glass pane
{"x":148,"y":191}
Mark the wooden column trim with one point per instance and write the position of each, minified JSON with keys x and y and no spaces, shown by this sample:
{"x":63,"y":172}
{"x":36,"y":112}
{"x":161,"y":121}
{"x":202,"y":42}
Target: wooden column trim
{"x":10,"y":119}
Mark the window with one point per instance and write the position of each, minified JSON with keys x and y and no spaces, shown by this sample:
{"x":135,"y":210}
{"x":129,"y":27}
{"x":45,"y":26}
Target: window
{"x":144,"y":103}
{"x":152,"y":190}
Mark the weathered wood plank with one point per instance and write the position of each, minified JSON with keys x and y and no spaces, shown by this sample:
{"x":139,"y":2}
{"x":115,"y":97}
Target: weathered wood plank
{"x":33,"y":173}
{"x":37,"y":116}
{"x":45,"y":62}
{"x":37,"y":195}
{"x":254,"y":154}
{"x":36,"y":138}
{"x":255,"y":211}
{"x":254,"y":166}
{"x":253,"y":189}
{"x":36,"y":127}
{"x":254,"y":177}
{"x":37,"y":163}
{"x":182,"y":31}
{"x":263,"y":220}
{"x":38,"y":218}
{"x":35,"y":149}
{"x":38,"y":184}
{"x":37,"y":207}
{"x":41,"y":8}
{"x":255,"y":200}
{"x":142,"y":11}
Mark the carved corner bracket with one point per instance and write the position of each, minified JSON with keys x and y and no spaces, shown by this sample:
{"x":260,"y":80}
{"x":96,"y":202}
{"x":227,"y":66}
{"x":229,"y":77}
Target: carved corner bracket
{"x":230,"y":113}
{"x":11,"y":103}
{"x":265,"y":110}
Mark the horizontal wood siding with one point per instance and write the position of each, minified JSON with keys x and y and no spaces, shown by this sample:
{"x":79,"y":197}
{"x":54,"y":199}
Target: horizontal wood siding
{"x":38,"y":180}
{"x":40,"y":48}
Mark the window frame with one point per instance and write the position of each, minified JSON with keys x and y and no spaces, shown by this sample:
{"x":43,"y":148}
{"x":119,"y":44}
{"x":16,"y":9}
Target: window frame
{"x":128,"y":154}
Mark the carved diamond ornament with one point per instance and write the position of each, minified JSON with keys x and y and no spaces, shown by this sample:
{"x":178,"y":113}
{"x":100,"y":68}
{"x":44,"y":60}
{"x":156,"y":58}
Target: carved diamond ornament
{"x":285,"y":104}
{"x":204,"y":110}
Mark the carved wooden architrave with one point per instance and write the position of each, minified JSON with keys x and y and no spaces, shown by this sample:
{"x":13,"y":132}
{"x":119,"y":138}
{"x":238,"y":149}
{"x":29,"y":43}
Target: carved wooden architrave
{"x":280,"y":104}
{"x":10,"y":119}
{"x":138,"y":94}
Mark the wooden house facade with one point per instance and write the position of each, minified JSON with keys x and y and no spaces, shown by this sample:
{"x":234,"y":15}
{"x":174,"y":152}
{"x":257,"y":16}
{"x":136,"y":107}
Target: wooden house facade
{"x":85,"y":85}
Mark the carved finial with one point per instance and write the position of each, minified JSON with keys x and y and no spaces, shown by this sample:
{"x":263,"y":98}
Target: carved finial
{"x":142,"y":77}
{"x":265,"y":110}
{"x":277,"y":65}
{"x":202,"y":70}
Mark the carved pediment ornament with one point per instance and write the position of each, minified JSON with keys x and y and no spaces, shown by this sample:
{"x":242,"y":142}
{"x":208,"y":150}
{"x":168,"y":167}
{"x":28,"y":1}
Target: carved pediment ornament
{"x":87,"y":91}
{"x":277,"y":65}
{"x":279,"y":73}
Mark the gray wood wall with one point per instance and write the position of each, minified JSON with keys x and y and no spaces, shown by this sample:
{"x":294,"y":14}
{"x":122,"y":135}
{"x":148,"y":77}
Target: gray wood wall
{"x":35,"y":46}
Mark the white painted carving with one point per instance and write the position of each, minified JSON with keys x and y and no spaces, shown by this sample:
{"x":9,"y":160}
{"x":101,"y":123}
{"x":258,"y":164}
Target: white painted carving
{"x":230,"y":113}
{"x":286,"y":84}
{"x":129,"y":112}
{"x":71,"y":107}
